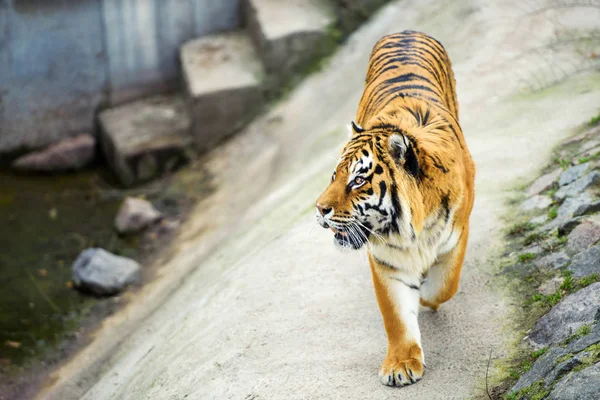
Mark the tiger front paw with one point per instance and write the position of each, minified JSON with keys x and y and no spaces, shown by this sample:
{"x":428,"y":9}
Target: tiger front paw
{"x":395,"y":372}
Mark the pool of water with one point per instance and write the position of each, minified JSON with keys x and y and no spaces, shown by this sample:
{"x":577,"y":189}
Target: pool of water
{"x":45,"y":222}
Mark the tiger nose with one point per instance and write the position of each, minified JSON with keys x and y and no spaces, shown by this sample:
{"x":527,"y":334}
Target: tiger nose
{"x":324,"y":210}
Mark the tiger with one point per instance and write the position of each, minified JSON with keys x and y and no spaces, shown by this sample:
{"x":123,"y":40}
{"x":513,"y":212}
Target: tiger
{"x":403,"y":188}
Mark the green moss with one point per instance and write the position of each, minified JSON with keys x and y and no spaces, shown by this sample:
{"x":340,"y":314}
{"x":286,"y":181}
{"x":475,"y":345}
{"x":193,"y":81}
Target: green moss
{"x":520,"y":228}
{"x":537,"y":391}
{"x":595,"y":120}
{"x":553,"y":212}
{"x":534,"y":237}
{"x":564,"y":358}
{"x":526,"y":257}
{"x":588,"y":280}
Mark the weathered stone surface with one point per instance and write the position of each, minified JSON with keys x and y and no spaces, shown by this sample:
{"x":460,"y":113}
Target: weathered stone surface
{"x":540,"y":369}
{"x":224,"y":83}
{"x":587,"y":340}
{"x":544,"y":182}
{"x":566,"y":227}
{"x":581,"y":385}
{"x":289,"y":33}
{"x":146,"y":138}
{"x":68,"y":154}
{"x":537,"y":202}
{"x":581,"y":184}
{"x":101,"y":273}
{"x":588,"y":208}
{"x":566,"y":317}
{"x":551,"y":286}
{"x":135,"y":215}
{"x":563,"y":368}
{"x":553,"y":260}
{"x":583,"y":236}
{"x":571,"y":174}
{"x":570,"y":205}
{"x":586,"y":263}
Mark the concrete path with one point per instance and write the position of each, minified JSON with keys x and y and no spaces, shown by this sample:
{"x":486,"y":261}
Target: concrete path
{"x":254,"y":302}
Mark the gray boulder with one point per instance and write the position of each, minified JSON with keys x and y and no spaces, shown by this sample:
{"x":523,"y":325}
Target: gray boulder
{"x":583,"y":236}
{"x":582,"y":385}
{"x":536,"y":202}
{"x":102,"y":273}
{"x":553,"y":260}
{"x":566,"y":317}
{"x":540,"y":369}
{"x":135,"y":215}
{"x":544,"y":182}
{"x":581,"y":184}
{"x":68,"y":154}
{"x":570,"y":205}
{"x":588,"y":208}
{"x":586,"y":263}
{"x":551,"y":286}
{"x":571,"y":174}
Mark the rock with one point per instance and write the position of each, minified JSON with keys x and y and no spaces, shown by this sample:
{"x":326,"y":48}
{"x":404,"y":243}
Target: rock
{"x":536,"y":202}
{"x":570,"y":205}
{"x":146,"y":138}
{"x":566,"y":317}
{"x":68,"y":154}
{"x":586,"y":341}
{"x":571,"y":174}
{"x":289,"y":34}
{"x":588,"y":208}
{"x":581,"y":184}
{"x":566,"y":227}
{"x":581,"y":385}
{"x":563,"y":368}
{"x":135,"y":215}
{"x":544,"y":182}
{"x":583,"y":236}
{"x":551,"y":286}
{"x":224,"y":82}
{"x":101,"y":273}
{"x":553,"y":260}
{"x":540,"y":369}
{"x":539,"y":220}
{"x":586,"y":263}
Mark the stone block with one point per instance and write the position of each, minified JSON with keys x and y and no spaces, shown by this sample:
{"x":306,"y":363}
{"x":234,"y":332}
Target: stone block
{"x":146,"y":138}
{"x":223,"y":77}
{"x":289,"y":34}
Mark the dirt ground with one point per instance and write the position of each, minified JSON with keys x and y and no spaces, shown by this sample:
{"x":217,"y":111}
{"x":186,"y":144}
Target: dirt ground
{"x":254,"y":302}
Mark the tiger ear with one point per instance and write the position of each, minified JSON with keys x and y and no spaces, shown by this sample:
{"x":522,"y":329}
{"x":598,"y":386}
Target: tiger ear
{"x":403,"y":153}
{"x":354,"y":128}
{"x":398,"y":146}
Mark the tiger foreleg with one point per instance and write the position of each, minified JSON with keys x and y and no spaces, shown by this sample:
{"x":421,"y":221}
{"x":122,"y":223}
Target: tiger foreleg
{"x":398,"y":298}
{"x":443,"y":277}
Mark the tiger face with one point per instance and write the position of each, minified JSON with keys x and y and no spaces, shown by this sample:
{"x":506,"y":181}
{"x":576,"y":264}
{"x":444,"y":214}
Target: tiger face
{"x":362,"y":200}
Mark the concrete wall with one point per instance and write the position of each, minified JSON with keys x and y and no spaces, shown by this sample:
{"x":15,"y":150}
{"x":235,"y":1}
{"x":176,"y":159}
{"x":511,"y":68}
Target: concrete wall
{"x":61,"y":59}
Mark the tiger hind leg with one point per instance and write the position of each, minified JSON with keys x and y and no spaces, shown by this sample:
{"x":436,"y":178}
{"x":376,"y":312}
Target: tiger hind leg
{"x":443,"y":277}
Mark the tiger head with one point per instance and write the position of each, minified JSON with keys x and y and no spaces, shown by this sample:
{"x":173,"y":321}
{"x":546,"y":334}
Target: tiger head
{"x":369,"y":196}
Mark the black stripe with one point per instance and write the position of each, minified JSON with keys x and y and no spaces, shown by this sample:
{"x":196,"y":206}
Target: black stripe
{"x":385,"y":264}
{"x":410,"y":285}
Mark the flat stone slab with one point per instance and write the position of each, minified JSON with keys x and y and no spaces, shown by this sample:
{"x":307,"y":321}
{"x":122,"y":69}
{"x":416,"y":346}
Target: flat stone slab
{"x":586,"y":263}
{"x":584,"y":384}
{"x":544,"y":182}
{"x":146,"y":138}
{"x":223,"y":77}
{"x":289,"y":33}
{"x":566,"y":317}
